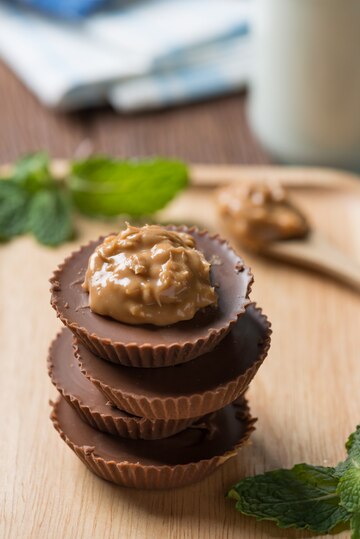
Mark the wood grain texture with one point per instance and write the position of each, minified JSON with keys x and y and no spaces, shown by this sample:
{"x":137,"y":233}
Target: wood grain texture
{"x":306,"y":394}
{"x":209,"y":132}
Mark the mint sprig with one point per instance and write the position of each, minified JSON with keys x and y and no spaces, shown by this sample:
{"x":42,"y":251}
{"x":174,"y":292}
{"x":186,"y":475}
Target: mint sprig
{"x":14,"y":206}
{"x":50,"y":217}
{"x":355,"y":526}
{"x":32,"y":172}
{"x":32,"y":200}
{"x":107,"y":187}
{"x":304,"y":497}
{"x":349,"y":482}
{"x":309,"y":497}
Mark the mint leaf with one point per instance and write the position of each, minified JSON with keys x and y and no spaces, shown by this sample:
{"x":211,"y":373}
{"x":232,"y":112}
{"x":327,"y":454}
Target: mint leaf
{"x":353,"y":449}
{"x":349,"y":489}
{"x":353,"y":442}
{"x":32,"y":172}
{"x":355,"y":526}
{"x":14,"y":209}
{"x":304,"y":497}
{"x":50,"y":216}
{"x":102,"y":186}
{"x":349,"y":483}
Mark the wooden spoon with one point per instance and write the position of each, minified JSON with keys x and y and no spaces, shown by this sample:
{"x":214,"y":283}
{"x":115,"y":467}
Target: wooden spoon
{"x":316,"y":253}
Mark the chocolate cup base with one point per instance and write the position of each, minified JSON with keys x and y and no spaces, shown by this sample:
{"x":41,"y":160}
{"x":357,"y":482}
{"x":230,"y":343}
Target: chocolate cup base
{"x":191,"y":389}
{"x":92,"y":406}
{"x":184,"y":458}
{"x":147,"y":345}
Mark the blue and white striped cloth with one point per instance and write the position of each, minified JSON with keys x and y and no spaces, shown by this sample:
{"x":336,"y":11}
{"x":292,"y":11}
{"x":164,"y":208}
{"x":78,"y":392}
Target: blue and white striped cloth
{"x":140,"y":55}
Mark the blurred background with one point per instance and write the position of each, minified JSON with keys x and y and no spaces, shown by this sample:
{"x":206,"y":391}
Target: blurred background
{"x":230,"y":81}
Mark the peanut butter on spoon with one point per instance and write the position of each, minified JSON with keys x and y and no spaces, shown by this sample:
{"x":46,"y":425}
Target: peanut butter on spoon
{"x":260,"y":217}
{"x":260,"y":213}
{"x":148,"y":275}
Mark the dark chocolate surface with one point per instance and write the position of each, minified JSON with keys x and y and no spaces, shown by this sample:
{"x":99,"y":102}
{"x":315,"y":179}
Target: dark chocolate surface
{"x":91,"y":404}
{"x":237,"y":352}
{"x":216,"y":434}
{"x":66,"y":374}
{"x":228,"y":275}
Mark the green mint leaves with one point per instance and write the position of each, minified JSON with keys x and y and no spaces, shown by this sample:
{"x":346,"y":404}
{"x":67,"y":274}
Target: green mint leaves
{"x":102,"y":186}
{"x":32,"y":172}
{"x":316,"y":498}
{"x":304,"y":497}
{"x":355,"y":526}
{"x":349,"y":490}
{"x":50,"y":217}
{"x":349,"y":482}
{"x":31,"y":200}
{"x":14,"y":205}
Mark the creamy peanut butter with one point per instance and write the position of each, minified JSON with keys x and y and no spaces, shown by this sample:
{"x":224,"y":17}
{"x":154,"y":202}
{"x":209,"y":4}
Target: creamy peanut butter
{"x":148,"y":275}
{"x":260,"y":213}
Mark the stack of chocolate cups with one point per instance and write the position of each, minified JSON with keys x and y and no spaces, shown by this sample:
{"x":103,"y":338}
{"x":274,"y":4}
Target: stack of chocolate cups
{"x":157,"y":407}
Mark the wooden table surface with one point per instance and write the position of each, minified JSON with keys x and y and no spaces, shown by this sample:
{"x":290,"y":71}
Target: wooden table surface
{"x":306,"y":394}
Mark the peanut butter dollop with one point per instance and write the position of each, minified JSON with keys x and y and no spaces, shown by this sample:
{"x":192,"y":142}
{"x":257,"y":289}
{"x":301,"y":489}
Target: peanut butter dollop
{"x":260,"y":213}
{"x":148,"y":275}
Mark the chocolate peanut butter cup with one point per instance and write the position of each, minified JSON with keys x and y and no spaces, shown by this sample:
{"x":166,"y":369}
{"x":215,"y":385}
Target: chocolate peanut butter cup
{"x":179,"y":460}
{"x":92,"y":406}
{"x":191,"y":389}
{"x":148,"y":345}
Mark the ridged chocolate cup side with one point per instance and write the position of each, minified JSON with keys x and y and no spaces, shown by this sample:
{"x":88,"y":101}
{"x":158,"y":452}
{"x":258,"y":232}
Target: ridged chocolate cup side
{"x":151,"y":346}
{"x":110,"y":379}
{"x":136,"y":428}
{"x":148,"y":477}
{"x":184,"y":407}
{"x":92,"y":406}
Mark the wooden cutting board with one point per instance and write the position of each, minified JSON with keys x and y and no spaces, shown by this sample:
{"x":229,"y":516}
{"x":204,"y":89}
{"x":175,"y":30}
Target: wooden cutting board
{"x":306,"y":394}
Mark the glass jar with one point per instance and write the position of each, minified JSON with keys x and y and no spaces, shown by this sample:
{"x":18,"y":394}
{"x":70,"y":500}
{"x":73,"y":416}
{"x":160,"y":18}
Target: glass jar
{"x":305,"y":89}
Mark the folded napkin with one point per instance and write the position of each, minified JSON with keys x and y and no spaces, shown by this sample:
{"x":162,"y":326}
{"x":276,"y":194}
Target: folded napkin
{"x":135,"y":56}
{"x":65,"y":8}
